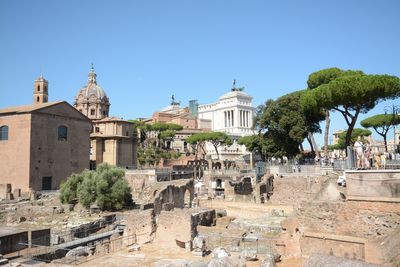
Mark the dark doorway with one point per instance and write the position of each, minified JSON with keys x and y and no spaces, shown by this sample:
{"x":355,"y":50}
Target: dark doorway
{"x":46,"y":183}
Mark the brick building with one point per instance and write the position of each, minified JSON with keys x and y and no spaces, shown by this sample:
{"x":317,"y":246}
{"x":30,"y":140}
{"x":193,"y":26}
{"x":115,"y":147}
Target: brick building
{"x":42,"y":144}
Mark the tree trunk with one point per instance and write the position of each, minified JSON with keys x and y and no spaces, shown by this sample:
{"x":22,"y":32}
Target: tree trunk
{"x":385,"y":143}
{"x":326,"y":137}
{"x":350,"y":129}
{"x":216,"y":150}
{"x":311,"y":144}
{"x":314,"y":144}
{"x":196,"y":151}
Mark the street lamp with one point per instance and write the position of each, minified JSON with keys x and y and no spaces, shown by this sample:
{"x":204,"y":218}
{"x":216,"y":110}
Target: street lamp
{"x":394,"y":110}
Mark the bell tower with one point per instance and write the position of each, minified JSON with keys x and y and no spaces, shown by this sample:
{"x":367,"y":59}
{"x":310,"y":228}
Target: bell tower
{"x":40,"y":90}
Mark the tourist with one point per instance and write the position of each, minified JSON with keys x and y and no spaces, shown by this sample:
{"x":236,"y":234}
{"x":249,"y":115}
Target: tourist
{"x":383,"y":160}
{"x":378,"y":160}
{"x":367,"y":155}
{"x":358,"y":147}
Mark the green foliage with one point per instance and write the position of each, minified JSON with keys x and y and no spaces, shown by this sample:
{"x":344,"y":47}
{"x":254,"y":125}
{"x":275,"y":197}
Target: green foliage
{"x":215,"y":138}
{"x":196,"y":138}
{"x":152,"y":156}
{"x":161,"y":126}
{"x":86,"y":190}
{"x":260,"y":144}
{"x":355,"y":133}
{"x":68,"y":189}
{"x":380,"y":120}
{"x":252,"y":142}
{"x":120,"y":194}
{"x":140,"y":130}
{"x":285,"y":125}
{"x":355,"y":92}
{"x":351,"y":94}
{"x":106,"y":187}
{"x":152,"y":149}
{"x":149,"y":156}
{"x":317,"y":79}
{"x":325,"y":76}
{"x":381,"y":123}
{"x":167,"y":134}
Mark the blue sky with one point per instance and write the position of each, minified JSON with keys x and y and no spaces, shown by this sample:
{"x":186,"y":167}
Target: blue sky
{"x":144,"y":51}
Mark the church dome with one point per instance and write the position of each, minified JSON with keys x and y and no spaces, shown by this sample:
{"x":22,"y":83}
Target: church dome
{"x":92,"y":89}
{"x":91,"y":99}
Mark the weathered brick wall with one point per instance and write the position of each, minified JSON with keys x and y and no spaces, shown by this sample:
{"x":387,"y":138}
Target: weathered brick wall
{"x":15,"y":152}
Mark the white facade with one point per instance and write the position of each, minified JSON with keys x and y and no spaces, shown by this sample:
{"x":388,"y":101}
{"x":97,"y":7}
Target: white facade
{"x":233,"y":114}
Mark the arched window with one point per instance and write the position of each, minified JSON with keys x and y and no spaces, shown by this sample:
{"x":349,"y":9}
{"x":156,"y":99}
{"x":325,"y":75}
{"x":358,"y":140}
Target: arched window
{"x":62,"y":133}
{"x":38,"y":88}
{"x":37,"y":99}
{"x":3,"y":133}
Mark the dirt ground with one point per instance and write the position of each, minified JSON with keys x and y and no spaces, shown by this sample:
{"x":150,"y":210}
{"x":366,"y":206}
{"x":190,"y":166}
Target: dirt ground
{"x":151,"y":255}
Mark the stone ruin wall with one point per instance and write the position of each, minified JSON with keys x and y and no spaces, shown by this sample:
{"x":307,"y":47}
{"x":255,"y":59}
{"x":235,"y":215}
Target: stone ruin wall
{"x":179,"y":227}
{"x":173,"y":196}
{"x":373,"y":185}
{"x":141,"y":225}
{"x":334,"y":245}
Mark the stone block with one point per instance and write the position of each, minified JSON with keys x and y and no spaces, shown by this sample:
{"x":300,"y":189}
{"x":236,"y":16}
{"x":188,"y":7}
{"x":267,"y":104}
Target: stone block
{"x":134,"y":247}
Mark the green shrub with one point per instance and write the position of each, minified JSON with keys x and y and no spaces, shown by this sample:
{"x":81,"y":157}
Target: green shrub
{"x":106,"y":187}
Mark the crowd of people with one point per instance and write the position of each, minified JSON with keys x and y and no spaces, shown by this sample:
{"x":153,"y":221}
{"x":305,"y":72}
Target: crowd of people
{"x":366,"y":159}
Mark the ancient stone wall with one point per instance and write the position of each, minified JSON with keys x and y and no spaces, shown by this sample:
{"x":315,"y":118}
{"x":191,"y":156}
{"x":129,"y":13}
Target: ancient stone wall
{"x":335,"y":245}
{"x":179,"y":227}
{"x":173,"y":226}
{"x":174,"y":196}
{"x":141,"y":225}
{"x":373,"y":185}
{"x":5,"y":191}
{"x":138,"y":179}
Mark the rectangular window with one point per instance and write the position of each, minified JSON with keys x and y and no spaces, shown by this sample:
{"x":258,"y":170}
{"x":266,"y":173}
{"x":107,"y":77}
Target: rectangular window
{"x":92,"y":112}
{"x":62,"y":133}
{"x":3,"y":133}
